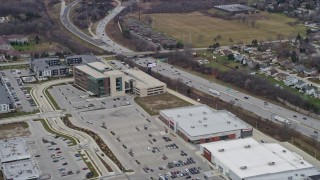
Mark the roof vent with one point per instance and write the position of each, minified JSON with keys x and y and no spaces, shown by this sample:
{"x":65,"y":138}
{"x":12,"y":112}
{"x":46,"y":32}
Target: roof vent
{"x":271,"y":163}
{"x":228,"y":122}
{"x":243,"y":167}
{"x":205,"y":118}
{"x":190,"y":114}
{"x":302,"y":162}
{"x":284,"y":151}
{"x":221,"y":150}
{"x":200,"y":121}
{"x":192,"y":127}
{"x":178,"y":115}
{"x":205,"y":125}
{"x":247,"y":146}
{"x":204,"y":112}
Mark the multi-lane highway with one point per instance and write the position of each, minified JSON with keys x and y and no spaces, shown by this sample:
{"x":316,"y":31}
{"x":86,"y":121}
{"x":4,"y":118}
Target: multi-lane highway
{"x":306,"y":125}
{"x":101,"y":40}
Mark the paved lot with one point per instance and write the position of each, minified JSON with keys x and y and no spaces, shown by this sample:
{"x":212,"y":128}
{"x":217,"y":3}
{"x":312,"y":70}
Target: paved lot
{"x":21,"y":97}
{"x":47,"y":149}
{"x":136,"y":139}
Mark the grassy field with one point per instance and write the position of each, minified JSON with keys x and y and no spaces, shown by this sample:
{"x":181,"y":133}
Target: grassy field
{"x":18,"y":113}
{"x":152,"y":104}
{"x":33,"y":47}
{"x":201,"y":29}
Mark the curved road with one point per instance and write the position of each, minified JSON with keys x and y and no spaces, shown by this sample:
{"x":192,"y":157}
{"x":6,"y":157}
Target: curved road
{"x":86,"y":141}
{"x":304,"y":124}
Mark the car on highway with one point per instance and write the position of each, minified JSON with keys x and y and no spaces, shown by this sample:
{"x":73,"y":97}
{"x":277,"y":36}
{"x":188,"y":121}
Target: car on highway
{"x":64,"y":163}
{"x":304,"y":118}
{"x":246,"y":97}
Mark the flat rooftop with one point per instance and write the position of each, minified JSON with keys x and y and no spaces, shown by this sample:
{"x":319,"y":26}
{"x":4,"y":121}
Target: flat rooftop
{"x":100,"y":66}
{"x":5,"y":97}
{"x":143,"y":80}
{"x":86,"y":58}
{"x":13,"y":149}
{"x":201,"y":120}
{"x":235,"y":7}
{"x":21,"y":170}
{"x":90,"y":71}
{"x":114,"y":73}
{"x":248,"y":158}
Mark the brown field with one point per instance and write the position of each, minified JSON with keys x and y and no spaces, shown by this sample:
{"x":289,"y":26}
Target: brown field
{"x":152,"y":104}
{"x":200,"y":30}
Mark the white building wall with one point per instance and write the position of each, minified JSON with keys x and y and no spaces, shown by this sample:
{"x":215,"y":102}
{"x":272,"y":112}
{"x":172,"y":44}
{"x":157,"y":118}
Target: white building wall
{"x":4,"y":108}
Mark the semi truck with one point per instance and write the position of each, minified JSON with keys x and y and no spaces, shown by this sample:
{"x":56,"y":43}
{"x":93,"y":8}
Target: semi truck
{"x":213,"y":91}
{"x":281,"y":119}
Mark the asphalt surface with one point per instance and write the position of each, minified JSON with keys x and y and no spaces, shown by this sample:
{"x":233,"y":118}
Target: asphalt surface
{"x":127,"y":120}
{"x":304,"y":124}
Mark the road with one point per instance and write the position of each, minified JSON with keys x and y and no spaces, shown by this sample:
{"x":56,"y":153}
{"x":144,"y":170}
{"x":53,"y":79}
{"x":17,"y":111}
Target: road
{"x":308,"y":127}
{"x":101,"y":40}
{"x":14,"y":63}
{"x":250,"y":103}
{"x":86,"y":141}
{"x":100,"y":31}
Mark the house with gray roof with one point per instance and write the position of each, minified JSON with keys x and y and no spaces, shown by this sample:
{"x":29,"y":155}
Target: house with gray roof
{"x":290,"y":81}
{"x":299,"y":84}
{"x":309,"y":90}
{"x":310,"y":72}
{"x":300,"y":68}
{"x":48,"y":67}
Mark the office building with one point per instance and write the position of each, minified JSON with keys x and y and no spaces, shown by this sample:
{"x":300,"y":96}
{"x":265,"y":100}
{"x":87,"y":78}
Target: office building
{"x":45,"y":68}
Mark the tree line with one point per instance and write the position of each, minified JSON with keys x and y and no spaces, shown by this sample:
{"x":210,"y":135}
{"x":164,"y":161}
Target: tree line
{"x":31,"y":17}
{"x":251,"y":83}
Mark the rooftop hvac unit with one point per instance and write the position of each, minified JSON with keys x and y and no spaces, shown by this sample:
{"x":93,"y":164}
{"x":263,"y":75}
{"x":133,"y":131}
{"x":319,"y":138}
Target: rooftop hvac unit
{"x":205,"y":125}
{"x":271,"y":163}
{"x":228,"y":122}
{"x":178,"y":115}
{"x":247,"y":146}
{"x":190,"y":114}
{"x":221,"y":150}
{"x":205,"y":118}
{"x":243,"y":167}
{"x":192,"y":127}
{"x":284,"y":151}
{"x":204,"y":112}
{"x":200,"y":121}
{"x":302,"y":162}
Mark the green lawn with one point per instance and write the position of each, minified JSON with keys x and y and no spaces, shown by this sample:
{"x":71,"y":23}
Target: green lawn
{"x":200,"y":29}
{"x":310,"y":99}
{"x":47,"y":128}
{"x":33,"y":47}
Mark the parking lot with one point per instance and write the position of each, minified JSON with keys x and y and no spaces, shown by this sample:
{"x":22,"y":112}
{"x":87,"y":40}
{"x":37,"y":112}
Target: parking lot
{"x":140,"y":142}
{"x":20,"y":95}
{"x":55,"y":158}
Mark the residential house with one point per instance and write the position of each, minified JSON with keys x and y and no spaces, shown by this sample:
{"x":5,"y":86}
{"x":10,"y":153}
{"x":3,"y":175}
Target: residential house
{"x":264,"y":68}
{"x":271,"y":72}
{"x":300,"y":68}
{"x":225,"y":52}
{"x":16,"y":38}
{"x":300,"y":84}
{"x":288,"y":65}
{"x":6,"y":100}
{"x":5,"y":45}
{"x":310,"y":72}
{"x":281,"y":76}
{"x":239,"y":57}
{"x":290,"y":81}
{"x":309,"y":90}
{"x":48,"y":67}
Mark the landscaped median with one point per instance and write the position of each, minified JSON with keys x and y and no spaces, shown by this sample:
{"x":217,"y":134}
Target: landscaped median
{"x":103,"y":146}
{"x":88,"y":162}
{"x":51,"y":100}
{"x":47,"y":127}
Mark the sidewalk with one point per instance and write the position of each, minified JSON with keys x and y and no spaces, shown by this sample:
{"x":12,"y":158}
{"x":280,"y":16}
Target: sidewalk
{"x":183,"y":97}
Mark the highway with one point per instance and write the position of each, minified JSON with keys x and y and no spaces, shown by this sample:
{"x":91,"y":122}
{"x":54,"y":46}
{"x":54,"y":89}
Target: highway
{"x":304,"y":124}
{"x":250,"y":103}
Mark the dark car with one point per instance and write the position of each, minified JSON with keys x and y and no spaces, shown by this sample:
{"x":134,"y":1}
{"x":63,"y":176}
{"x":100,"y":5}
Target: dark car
{"x":246,"y":97}
{"x":64,"y":163}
